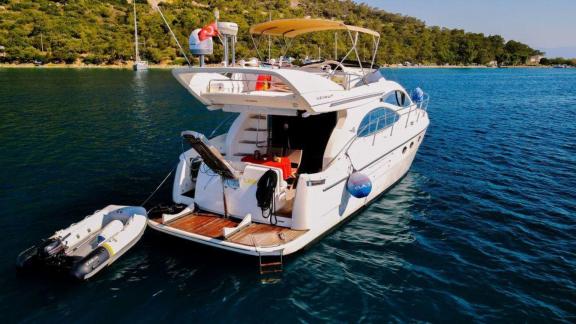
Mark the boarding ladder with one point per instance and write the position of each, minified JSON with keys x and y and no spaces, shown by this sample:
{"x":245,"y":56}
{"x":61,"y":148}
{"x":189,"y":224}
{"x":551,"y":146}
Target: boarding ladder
{"x":268,"y":264}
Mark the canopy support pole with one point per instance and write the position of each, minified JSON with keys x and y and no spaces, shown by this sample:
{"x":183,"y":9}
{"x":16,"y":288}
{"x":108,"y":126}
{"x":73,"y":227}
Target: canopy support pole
{"x":335,"y":46}
{"x":256,"y":47}
{"x":355,"y":47}
{"x":376,"y":42}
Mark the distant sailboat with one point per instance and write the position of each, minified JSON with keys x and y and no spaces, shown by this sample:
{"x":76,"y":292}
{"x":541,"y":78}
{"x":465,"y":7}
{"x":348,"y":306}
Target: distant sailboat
{"x":138,"y":63}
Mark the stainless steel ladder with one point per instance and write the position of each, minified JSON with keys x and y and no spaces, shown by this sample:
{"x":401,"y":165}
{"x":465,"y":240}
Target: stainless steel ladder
{"x":268,"y":264}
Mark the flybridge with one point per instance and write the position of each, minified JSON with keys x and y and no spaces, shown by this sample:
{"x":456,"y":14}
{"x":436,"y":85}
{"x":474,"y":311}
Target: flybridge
{"x":282,"y":89}
{"x":278,"y":91}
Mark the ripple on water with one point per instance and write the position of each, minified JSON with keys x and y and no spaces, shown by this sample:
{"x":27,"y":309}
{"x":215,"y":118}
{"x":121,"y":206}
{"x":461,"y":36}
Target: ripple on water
{"x":481,"y":229}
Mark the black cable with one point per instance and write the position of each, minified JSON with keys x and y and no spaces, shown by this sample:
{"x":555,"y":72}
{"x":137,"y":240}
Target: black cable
{"x":159,"y":186}
{"x":265,"y":193}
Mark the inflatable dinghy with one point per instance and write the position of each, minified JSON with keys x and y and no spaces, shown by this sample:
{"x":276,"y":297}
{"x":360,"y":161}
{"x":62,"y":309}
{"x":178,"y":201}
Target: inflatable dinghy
{"x":85,"y":248}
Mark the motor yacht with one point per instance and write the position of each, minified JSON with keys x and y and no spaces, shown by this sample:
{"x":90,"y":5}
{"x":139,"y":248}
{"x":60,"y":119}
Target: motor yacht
{"x":309,"y":147}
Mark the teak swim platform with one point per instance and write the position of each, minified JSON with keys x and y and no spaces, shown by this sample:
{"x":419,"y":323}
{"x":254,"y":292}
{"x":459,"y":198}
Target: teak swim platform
{"x":212,"y":225}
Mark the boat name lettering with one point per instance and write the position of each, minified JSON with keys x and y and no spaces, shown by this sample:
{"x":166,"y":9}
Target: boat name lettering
{"x":325,"y":97}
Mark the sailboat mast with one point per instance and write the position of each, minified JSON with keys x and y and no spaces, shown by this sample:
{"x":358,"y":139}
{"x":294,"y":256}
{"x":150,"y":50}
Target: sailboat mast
{"x":136,"y":33}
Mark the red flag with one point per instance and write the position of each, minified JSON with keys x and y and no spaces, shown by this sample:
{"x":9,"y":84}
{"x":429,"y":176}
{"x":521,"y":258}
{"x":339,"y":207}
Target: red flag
{"x":209,"y":30}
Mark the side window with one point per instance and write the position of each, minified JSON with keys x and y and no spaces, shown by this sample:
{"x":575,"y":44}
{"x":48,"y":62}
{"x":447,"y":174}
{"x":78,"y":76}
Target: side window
{"x":376,"y":120}
{"x":398,"y":98}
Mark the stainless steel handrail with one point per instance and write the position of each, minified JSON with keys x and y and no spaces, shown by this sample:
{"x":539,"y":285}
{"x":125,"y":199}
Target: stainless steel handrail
{"x":422,"y":106}
{"x":253,"y":88}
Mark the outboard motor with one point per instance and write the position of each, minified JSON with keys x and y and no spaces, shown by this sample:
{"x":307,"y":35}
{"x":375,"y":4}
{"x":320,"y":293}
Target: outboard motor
{"x":45,"y":251}
{"x":28,"y":257}
{"x":52,"y":247}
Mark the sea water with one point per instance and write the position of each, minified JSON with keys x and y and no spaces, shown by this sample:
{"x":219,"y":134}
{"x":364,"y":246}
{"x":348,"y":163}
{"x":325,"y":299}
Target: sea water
{"x":482,"y":228}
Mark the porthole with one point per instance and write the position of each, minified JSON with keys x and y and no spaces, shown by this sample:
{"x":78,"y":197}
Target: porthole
{"x":411,"y":144}
{"x":404,"y":150}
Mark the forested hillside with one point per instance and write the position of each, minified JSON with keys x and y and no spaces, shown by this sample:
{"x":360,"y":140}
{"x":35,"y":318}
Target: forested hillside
{"x":101,"y":32}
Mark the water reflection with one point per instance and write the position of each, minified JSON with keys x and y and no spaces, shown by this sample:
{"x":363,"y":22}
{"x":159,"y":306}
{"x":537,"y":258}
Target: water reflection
{"x":141,"y":97}
{"x":478,"y":230}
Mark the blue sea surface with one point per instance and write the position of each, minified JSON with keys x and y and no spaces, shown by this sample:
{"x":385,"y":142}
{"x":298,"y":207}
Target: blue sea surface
{"x":483,"y":227}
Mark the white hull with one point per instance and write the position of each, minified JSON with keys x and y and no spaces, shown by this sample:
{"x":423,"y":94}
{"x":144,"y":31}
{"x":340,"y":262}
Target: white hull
{"x":332,"y":220}
{"x":140,"y":66}
{"x":329,"y":204}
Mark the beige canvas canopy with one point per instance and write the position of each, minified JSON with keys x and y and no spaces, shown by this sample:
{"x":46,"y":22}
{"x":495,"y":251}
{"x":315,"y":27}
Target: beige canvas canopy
{"x":291,"y":28}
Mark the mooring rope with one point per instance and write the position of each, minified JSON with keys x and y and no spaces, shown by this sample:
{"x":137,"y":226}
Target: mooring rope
{"x":159,"y":186}
{"x":156,"y":6}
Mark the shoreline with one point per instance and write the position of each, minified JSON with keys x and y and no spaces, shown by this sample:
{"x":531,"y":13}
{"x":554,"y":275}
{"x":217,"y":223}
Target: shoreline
{"x":83,"y":66}
{"x":466,"y":67}
{"x":168,"y":66}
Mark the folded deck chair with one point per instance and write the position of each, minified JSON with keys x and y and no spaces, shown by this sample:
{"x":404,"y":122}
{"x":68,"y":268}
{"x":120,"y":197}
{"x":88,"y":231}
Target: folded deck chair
{"x":210,"y":155}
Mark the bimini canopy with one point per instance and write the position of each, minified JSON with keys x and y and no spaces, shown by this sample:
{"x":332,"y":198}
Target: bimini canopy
{"x":291,"y":28}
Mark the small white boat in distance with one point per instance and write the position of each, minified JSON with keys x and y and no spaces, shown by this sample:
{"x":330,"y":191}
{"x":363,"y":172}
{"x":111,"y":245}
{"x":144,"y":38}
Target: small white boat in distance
{"x":139,"y":65}
{"x":86,"y":247}
{"x":311,"y":145}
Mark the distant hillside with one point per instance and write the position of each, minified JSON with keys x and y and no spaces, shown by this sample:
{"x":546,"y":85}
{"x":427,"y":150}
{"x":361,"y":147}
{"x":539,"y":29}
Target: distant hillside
{"x":100,"y":32}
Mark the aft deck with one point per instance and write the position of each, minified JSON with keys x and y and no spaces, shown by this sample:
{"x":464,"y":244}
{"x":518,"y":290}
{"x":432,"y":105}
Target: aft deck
{"x":211,"y":226}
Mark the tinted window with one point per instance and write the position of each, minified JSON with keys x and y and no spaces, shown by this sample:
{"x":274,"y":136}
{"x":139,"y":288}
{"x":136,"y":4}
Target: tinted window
{"x":376,"y":120}
{"x":397,"y":98}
